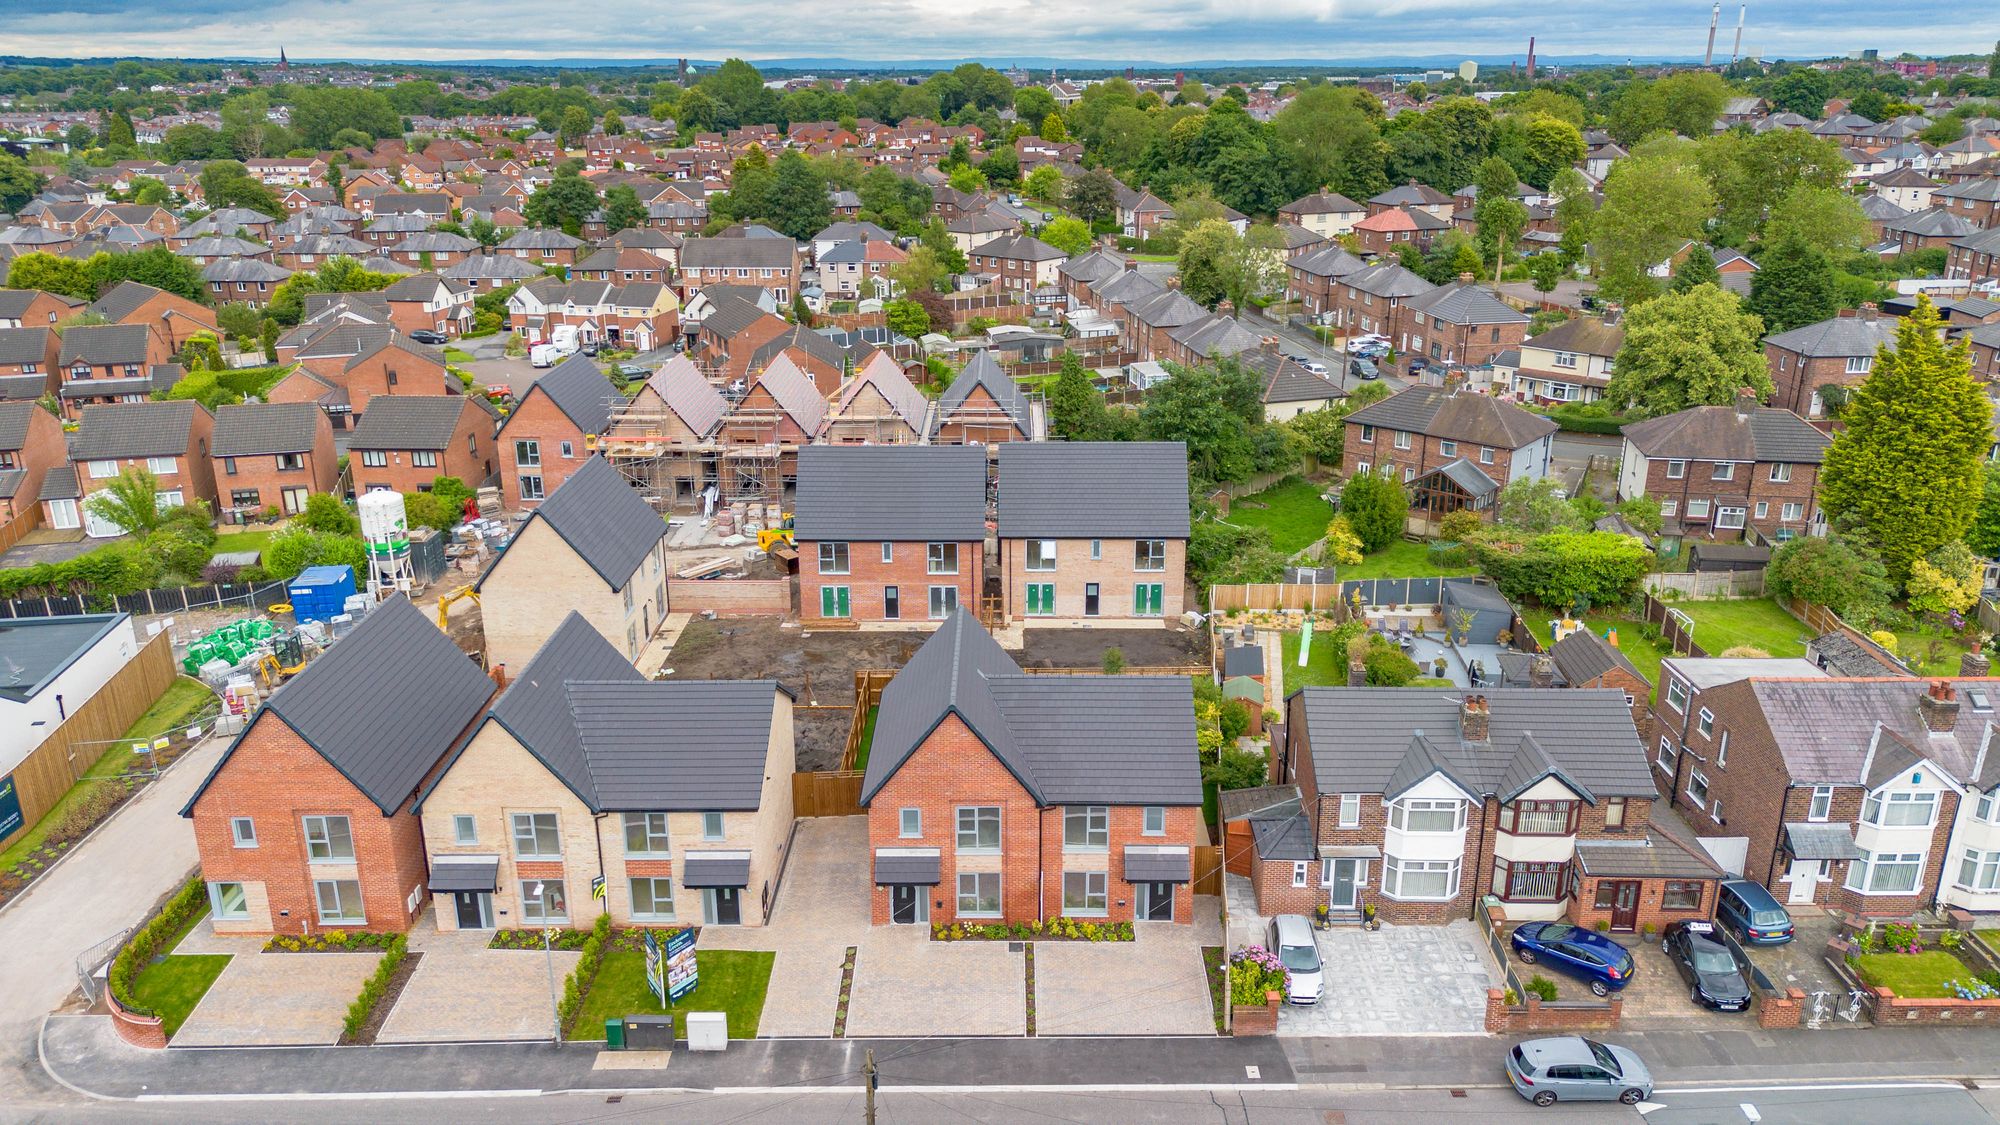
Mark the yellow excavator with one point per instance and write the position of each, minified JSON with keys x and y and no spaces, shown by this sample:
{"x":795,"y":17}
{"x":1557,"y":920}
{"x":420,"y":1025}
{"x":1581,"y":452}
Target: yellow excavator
{"x":445,"y":603}
{"x":779,"y":534}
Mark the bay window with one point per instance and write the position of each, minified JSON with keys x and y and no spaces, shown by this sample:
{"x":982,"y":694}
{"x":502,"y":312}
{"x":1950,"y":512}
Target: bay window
{"x":1523,"y":881}
{"x":1539,"y":818}
{"x":1979,"y":871}
{"x":1885,"y":873}
{"x":1900,"y":810}
{"x":1418,"y":815}
{"x":1417,"y":880}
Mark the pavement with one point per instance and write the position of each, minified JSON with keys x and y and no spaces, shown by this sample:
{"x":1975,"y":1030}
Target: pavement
{"x":1398,"y":980}
{"x":518,"y":374}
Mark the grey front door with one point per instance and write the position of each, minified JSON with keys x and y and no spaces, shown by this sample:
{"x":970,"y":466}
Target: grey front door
{"x":475,"y":909}
{"x":1341,"y":896}
{"x":727,"y":908}
{"x":1159,"y":902}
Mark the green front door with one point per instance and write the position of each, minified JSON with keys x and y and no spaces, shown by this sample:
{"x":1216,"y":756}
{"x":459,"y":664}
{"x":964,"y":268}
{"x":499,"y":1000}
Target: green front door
{"x":1148,"y":599}
{"x":1041,"y":599}
{"x":833,"y":601}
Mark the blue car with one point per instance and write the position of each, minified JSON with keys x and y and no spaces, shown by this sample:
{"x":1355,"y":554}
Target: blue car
{"x":1600,"y":962}
{"x":1749,"y":909}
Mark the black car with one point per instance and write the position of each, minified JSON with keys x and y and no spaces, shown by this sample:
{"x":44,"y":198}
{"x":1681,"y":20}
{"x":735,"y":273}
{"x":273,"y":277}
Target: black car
{"x":1714,"y":978}
{"x":429,"y":336}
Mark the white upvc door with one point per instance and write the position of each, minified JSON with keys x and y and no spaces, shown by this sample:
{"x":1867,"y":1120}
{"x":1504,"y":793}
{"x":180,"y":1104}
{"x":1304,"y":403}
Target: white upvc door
{"x":1804,"y":877}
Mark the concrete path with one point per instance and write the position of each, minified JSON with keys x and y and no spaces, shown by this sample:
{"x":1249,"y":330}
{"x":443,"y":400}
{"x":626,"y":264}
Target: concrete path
{"x":104,"y":885}
{"x":821,"y":910}
{"x":464,"y":992}
{"x":278,"y":1000}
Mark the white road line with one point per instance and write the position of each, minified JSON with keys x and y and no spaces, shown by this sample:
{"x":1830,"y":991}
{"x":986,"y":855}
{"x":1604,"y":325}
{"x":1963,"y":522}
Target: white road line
{"x":1807,"y":1086}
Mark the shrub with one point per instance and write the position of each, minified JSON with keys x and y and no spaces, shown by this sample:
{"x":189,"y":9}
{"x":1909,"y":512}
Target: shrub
{"x":1114,"y":661}
{"x":1562,"y":567}
{"x":151,"y":939}
{"x":1375,"y":506}
{"x":1901,"y":937}
{"x":328,"y":515}
{"x":1542,"y":987}
{"x":1742,"y":652}
{"x":1884,"y":638}
{"x":579,"y":982}
{"x":374,"y":987}
{"x":1254,"y":971}
{"x":1460,"y":525}
{"x":1387,"y":666}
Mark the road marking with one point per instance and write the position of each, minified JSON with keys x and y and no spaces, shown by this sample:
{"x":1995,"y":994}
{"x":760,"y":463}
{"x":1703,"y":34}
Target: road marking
{"x":396,"y":1095}
{"x":1750,"y":1111}
{"x":1806,"y":1086}
{"x":1252,"y":1072}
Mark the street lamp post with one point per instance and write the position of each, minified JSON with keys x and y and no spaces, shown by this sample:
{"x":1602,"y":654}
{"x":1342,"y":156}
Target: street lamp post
{"x":549,"y":959}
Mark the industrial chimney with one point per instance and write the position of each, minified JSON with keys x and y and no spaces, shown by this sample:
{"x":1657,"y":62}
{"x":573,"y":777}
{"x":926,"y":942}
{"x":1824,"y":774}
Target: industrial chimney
{"x":1714,"y":17}
{"x":1736,"y":52}
{"x":1531,"y":58}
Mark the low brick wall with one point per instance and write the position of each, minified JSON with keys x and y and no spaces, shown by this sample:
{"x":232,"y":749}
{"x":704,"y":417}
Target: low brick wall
{"x":762,"y":597}
{"x":133,"y":1028}
{"x":1571,"y":1015}
{"x":1892,"y":1010}
{"x":1780,"y":1010}
{"x":1257,"y":1021}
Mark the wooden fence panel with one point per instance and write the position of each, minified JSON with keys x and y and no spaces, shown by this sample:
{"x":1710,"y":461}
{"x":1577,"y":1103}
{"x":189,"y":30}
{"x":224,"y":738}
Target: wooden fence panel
{"x":74,"y":747}
{"x":1709,"y":583}
{"x":1207,"y":860}
{"x":12,"y":531}
{"x":829,"y":793}
{"x":1323,"y":597}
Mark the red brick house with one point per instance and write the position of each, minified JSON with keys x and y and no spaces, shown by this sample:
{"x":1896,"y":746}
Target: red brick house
{"x":991,"y":797}
{"x":306,"y":825}
{"x":1316,"y":275}
{"x":427,"y":302}
{"x":272,"y":455}
{"x":1384,"y":231}
{"x":985,"y":406}
{"x":168,"y":439}
{"x":1463,"y":324}
{"x":103,"y":363}
{"x":1718,"y":469}
{"x":1421,"y":429}
{"x":1021,"y":263}
{"x":1839,"y":351}
{"x":35,"y":308}
{"x":406,"y":441}
{"x":1418,"y":803}
{"x":1975,"y":257}
{"x":552,"y":430}
{"x":889,"y":532}
{"x":31,"y":443}
{"x":769,"y":263}
{"x":171,"y":315}
{"x":1115,"y":547}
{"x":245,"y":281}
{"x":29,"y":362}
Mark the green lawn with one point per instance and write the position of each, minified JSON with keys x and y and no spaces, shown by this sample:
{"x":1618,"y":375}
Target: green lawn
{"x":1152,"y":257}
{"x":1402,"y":559}
{"x":184,"y":699}
{"x":1326,"y":662}
{"x":1914,"y":646}
{"x":173,"y":985}
{"x":1293,"y":511}
{"x":867,"y":737}
{"x":1917,"y":975}
{"x":1643,"y":654}
{"x":456,"y":355}
{"x":1722,"y":625}
{"x":732,"y":981}
{"x":229,"y":543}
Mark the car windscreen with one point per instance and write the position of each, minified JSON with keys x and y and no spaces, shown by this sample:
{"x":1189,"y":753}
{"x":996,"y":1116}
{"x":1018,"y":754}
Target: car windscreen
{"x":1604,"y":1057}
{"x":1769,"y":917}
{"x":1299,"y":958}
{"x":1710,"y":958}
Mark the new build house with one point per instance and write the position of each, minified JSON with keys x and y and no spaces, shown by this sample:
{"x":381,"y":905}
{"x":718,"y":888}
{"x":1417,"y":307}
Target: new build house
{"x":676,"y":794}
{"x":550,"y":432}
{"x":307,"y":823}
{"x":998,"y":796}
{"x":1092,"y":530}
{"x":890,"y":532}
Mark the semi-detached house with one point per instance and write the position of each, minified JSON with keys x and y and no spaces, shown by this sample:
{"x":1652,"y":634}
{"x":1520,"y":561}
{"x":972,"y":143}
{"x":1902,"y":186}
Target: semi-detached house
{"x":1093,"y":530}
{"x":1836,"y":352}
{"x":1717,"y":470}
{"x":553,"y":429}
{"x":1425,"y":430}
{"x":995,"y":796}
{"x":889,"y":532}
{"x":674,"y":796}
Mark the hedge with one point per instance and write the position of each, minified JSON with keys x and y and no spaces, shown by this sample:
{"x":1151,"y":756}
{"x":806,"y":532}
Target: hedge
{"x":373,"y":989}
{"x":1578,"y":422}
{"x":150,"y":939}
{"x":585,"y":974}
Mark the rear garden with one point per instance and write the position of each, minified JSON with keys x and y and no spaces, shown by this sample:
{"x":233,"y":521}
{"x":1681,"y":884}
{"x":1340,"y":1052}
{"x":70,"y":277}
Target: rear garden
{"x":1292,"y":510}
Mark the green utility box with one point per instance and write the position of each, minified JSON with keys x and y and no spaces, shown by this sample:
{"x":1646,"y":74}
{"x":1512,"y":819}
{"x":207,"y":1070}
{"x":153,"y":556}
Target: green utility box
{"x":614,"y":1034}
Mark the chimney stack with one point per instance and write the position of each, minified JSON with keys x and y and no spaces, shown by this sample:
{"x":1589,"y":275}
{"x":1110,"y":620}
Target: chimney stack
{"x":1746,"y":402}
{"x":1465,"y":279}
{"x":1939,"y":708}
{"x":1975,"y":665}
{"x":1472,"y":719}
{"x":1542,"y":672}
{"x":1869,"y":310}
{"x":500,"y":675}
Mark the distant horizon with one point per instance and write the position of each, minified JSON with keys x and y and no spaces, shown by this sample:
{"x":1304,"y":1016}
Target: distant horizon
{"x":914,"y":34}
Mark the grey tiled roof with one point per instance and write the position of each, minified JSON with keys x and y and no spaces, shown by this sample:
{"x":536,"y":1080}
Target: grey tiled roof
{"x":14,"y":302}
{"x":1284,"y":838}
{"x":14,"y":420}
{"x":243,"y":269}
{"x":1125,"y":740}
{"x":382,"y":706}
{"x":1467,"y":303}
{"x":1360,"y":736}
{"x":24,"y":345}
{"x":898,"y":493}
{"x":729,"y":314}
{"x":1465,"y":417}
{"x":1826,"y":729}
{"x":255,"y":428}
{"x":1322,"y":203}
{"x":1259,"y":800}
{"x":100,"y":344}
{"x":1333,"y":261}
{"x":408,"y":422}
{"x":603,"y":519}
{"x":111,"y":431}
{"x":580,"y":390}
{"x":535,"y":707}
{"x":1093,"y":490}
{"x":982,"y":371}
{"x":675,"y":744}
{"x":1721,"y":433}
{"x":60,"y":484}
{"x":1839,"y":336}
{"x":1584,"y":656}
{"x":1387,"y":279}
{"x":738,"y":253}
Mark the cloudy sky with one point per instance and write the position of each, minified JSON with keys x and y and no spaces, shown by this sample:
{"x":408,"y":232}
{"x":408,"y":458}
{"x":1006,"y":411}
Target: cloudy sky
{"x":1155,"y":30}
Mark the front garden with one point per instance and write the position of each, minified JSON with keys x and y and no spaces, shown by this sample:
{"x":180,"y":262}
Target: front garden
{"x":1904,"y":960}
{"x":146,"y":979}
{"x":732,"y":981}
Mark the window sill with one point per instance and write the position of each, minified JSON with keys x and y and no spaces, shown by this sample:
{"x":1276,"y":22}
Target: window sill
{"x":1086,"y":913}
{"x":1093,"y":849}
{"x":537,"y":859}
{"x":977,"y":851}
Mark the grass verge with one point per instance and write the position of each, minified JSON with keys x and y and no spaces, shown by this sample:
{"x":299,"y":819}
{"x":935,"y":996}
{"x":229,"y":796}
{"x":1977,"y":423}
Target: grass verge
{"x":733,"y":981}
{"x":867,"y":738}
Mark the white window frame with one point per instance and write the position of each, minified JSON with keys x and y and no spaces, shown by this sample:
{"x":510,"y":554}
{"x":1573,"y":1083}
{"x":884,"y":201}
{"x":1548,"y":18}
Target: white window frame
{"x":1863,"y":874}
{"x":1781,"y":472}
{"x":1723,"y":470}
{"x":163,"y":466}
{"x":1697,"y":788}
{"x":888,"y":551}
{"x":998,"y":895}
{"x":1667,"y":755}
{"x":1350,"y":810}
{"x":1704,"y":721}
{"x":1041,"y":555}
{"x":1875,"y":804}
{"x":1820,"y":805}
{"x":360,"y":903}
{"x":1676,"y":469}
{"x":1401,"y":813}
{"x":1395,"y":869}
{"x":1301,"y":873}
{"x":1677,"y":695}
{"x":1402,"y":439}
{"x":319,"y":835}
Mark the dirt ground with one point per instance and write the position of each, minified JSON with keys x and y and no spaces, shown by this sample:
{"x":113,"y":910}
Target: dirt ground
{"x":1085,"y":648}
{"x":465,"y":626}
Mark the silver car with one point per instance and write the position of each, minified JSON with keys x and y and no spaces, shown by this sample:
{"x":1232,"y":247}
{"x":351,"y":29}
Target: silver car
{"x":1571,"y":1068}
{"x":1292,"y":941}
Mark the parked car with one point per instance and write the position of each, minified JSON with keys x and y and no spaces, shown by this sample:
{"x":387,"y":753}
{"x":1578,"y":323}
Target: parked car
{"x":1373,"y":351}
{"x":629,"y":371}
{"x":1570,"y":1068}
{"x":1314,"y":366}
{"x":1749,"y":909}
{"x":1363,"y":369}
{"x":1292,"y":941}
{"x":1598,"y":961}
{"x":1714,"y":978}
{"x":429,"y":336}
{"x":1367,"y":340}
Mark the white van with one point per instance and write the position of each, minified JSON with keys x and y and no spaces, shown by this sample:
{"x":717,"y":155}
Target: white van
{"x":1292,"y":941}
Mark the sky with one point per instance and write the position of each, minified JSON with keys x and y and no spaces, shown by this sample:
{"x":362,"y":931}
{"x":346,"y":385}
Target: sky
{"x":886,"y":30}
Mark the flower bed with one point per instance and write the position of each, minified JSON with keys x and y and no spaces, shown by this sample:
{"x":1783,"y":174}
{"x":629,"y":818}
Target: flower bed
{"x":532,"y":939}
{"x":369,"y":1010}
{"x":333,"y":941}
{"x":1254,"y":971}
{"x":1055,"y":929}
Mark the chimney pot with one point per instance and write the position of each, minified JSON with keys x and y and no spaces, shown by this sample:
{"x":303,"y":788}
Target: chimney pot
{"x":1473,"y":716}
{"x":1746,"y":401}
{"x":1939,"y":707}
{"x":1869,"y":310}
{"x":1975,"y":665}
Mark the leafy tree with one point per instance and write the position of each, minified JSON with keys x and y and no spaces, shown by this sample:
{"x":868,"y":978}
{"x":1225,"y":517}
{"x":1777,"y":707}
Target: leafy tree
{"x":1535,"y":507}
{"x":1071,"y":236}
{"x":1033,"y":104}
{"x":622,"y":210}
{"x":1044,"y":183}
{"x":320,"y":113}
{"x":328,"y":514}
{"x":1652,"y":206}
{"x":18,"y":182}
{"x":131,"y":500}
{"x":1076,"y":407}
{"x":1549,"y":146}
{"x":918,"y":273}
{"x":118,"y":133}
{"x":1343,"y":543}
{"x":1827,"y":219}
{"x":1945,"y":581}
{"x":239,"y":321}
{"x":158,"y":267}
{"x":1202,"y":406}
{"x":1698,"y":268}
{"x":1909,"y":464}
{"x":1332,"y":136}
{"x":575,"y":126}
{"x":1232,"y":766}
{"x":906,"y":318}
{"x":1984,"y":534}
{"x":1795,"y":287}
{"x":798,"y":204}
{"x":1204,"y":261}
{"x":1696,"y":348}
{"x":565,"y":201}
{"x":147,"y":190}
{"x":1376,"y":506}
{"x":1751,"y":175}
{"x":1093,"y":195}
{"x":194,"y":142}
{"x":1321,"y":434}
{"x":1500,"y":216}
{"x":1575,"y":208}
{"x":1002,"y":168}
{"x":1565,"y":566}
{"x":1801,"y":90}
{"x":1546,"y":270}
{"x":202,"y":352}
{"x":227,"y":183}
{"x":41,"y":270}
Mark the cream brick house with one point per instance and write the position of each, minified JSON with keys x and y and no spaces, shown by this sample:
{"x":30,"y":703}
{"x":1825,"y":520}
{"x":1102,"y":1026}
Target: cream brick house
{"x":676,"y":794}
{"x":593,"y":547}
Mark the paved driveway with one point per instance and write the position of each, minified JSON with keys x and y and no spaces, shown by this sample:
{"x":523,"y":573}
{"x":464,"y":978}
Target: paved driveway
{"x":907,"y":985}
{"x":1154,"y":986}
{"x":273,"y":999}
{"x":465,"y":992}
{"x":516,"y":373}
{"x":1399,"y":980}
{"x":821,"y":910}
